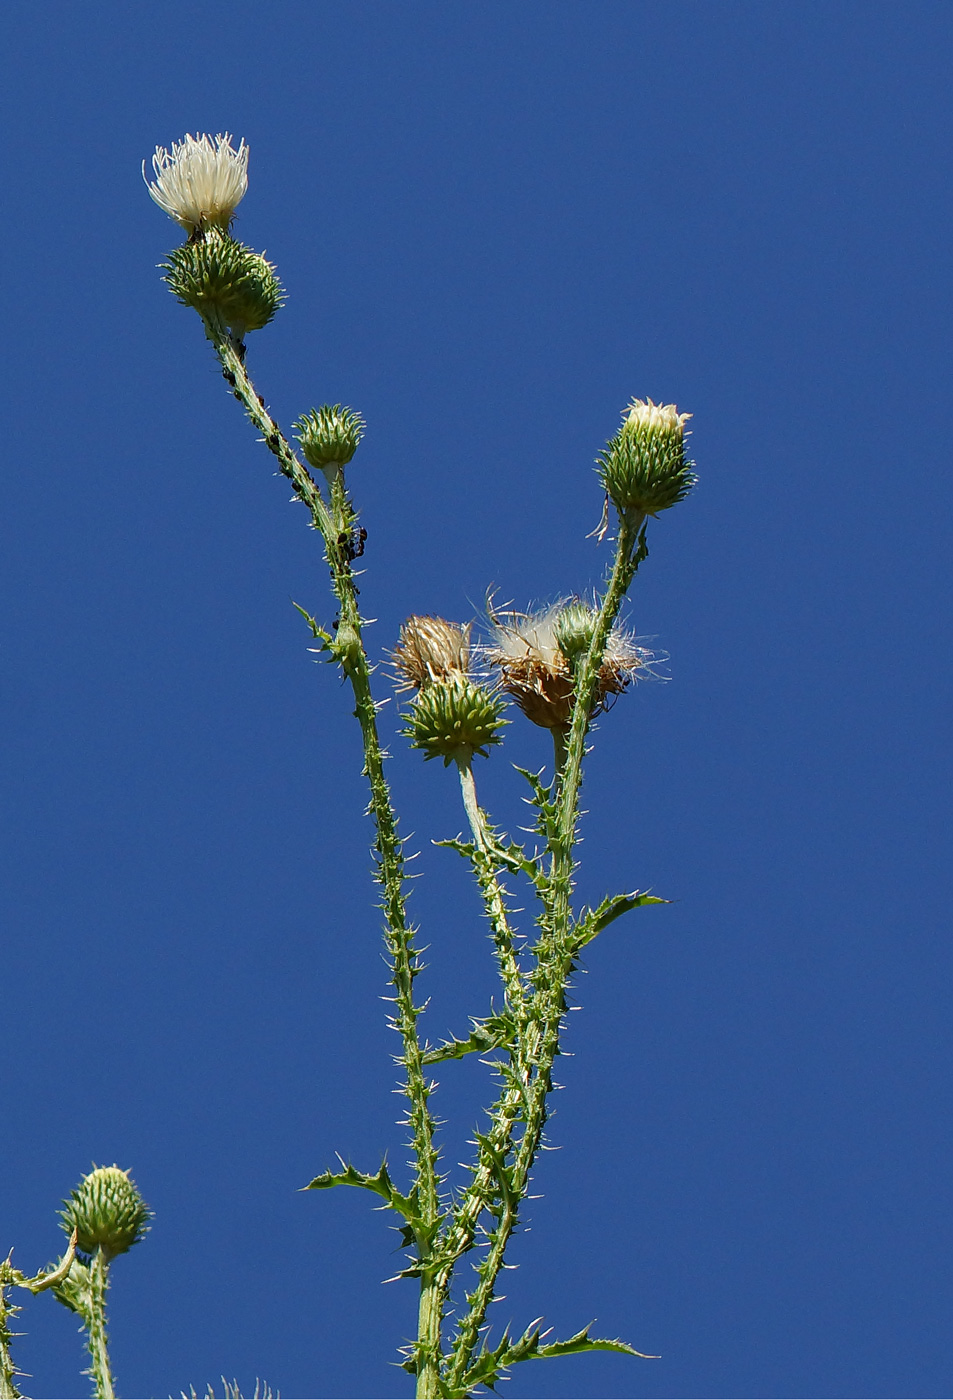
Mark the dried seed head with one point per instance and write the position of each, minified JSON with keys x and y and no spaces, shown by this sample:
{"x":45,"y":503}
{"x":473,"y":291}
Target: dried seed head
{"x":644,"y":468}
{"x":107,"y":1212}
{"x":431,"y":649}
{"x":535,"y":653}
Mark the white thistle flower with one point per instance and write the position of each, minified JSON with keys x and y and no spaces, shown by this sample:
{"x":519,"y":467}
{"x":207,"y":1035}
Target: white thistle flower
{"x":201,"y":182}
{"x":655,"y":417}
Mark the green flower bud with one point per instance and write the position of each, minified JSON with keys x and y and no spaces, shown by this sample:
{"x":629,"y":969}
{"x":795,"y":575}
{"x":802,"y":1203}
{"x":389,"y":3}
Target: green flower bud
{"x":217,"y":275}
{"x":329,"y":436}
{"x":107,"y":1212}
{"x":454,"y":719}
{"x":573,"y":626}
{"x":643,"y":467}
{"x":75,"y":1290}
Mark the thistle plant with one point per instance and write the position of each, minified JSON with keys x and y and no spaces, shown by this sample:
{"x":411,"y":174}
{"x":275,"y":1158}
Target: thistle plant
{"x":563,"y":667}
{"x":104,"y":1217}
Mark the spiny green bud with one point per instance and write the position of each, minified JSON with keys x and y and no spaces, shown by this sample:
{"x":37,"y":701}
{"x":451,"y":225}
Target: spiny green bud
{"x":573,"y":627}
{"x":329,"y":436}
{"x":75,"y":1290}
{"x":454,"y":719}
{"x":643,"y":467}
{"x":107,"y":1212}
{"x":217,"y":275}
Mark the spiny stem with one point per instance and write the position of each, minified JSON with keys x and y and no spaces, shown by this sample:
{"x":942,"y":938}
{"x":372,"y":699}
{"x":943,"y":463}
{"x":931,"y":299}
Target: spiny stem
{"x":8,"y":1372}
{"x":488,"y":878}
{"x":348,"y":648}
{"x":559,"y":751}
{"x":554,"y":968}
{"x":627,"y":560}
{"x":96,"y":1327}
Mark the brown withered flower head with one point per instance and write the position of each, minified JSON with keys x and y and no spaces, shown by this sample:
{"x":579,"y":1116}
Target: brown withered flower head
{"x":430,"y":649}
{"x":530,"y":650}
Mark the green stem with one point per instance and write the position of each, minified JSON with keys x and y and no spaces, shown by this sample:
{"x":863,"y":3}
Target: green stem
{"x":8,"y":1372}
{"x":488,"y":879}
{"x":96,"y":1327}
{"x":627,"y":559}
{"x":559,"y":751}
{"x":541,"y":1030}
{"x":348,"y":648}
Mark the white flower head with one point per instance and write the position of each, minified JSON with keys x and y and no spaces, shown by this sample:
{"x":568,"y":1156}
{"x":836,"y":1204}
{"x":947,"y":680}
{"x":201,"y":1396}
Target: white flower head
{"x":201,"y":182}
{"x":655,"y":417}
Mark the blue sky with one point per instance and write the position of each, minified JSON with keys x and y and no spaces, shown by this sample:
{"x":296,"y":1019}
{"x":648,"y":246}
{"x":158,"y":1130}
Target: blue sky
{"x":496,"y":225}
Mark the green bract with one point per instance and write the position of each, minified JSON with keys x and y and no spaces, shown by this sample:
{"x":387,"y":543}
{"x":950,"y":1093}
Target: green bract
{"x":107,"y":1212}
{"x":216,"y":274}
{"x":454,"y":719}
{"x":329,"y":435}
{"x":644,"y":467}
{"x":573,"y":627}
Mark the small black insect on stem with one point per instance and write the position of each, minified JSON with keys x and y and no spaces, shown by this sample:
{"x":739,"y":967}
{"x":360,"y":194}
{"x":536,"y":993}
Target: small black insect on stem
{"x":352,"y":542}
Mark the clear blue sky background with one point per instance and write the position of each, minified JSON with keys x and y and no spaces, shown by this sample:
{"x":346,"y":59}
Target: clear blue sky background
{"x":496,"y":224}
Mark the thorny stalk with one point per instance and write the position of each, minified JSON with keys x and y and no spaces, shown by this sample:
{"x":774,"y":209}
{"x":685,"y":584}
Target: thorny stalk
{"x":494,"y":1179}
{"x":487,"y":873}
{"x":535,"y":1000}
{"x":348,"y":649}
{"x":95,"y":1319}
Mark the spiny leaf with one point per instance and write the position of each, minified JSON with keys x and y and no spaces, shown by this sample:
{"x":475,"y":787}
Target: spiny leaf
{"x":380,"y":1184}
{"x":531,"y":1347}
{"x":317,"y":631}
{"x":595,"y":920}
{"x":486,"y":1035}
{"x":583,"y":1342}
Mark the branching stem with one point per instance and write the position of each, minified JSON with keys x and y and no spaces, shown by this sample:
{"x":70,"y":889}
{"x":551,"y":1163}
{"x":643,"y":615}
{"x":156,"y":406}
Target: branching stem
{"x":500,"y":1176}
{"x":530,"y":1079}
{"x":348,"y":648}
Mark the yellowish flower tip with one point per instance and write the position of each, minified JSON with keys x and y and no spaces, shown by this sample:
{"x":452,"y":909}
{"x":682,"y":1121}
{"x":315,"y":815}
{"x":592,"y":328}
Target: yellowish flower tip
{"x":200,"y":182}
{"x":430,"y":649}
{"x":534,"y":668}
{"x":643,"y":468}
{"x":657,"y":417}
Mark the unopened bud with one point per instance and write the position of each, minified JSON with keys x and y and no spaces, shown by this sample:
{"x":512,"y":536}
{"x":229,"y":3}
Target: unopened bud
{"x":454,"y":719}
{"x":330,"y":436}
{"x":216,"y":275}
{"x":644,"y":468}
{"x":573,"y":627}
{"x":107,"y":1212}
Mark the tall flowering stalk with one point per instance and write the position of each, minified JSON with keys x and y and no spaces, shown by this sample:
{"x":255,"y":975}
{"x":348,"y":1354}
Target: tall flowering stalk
{"x":562,"y":667}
